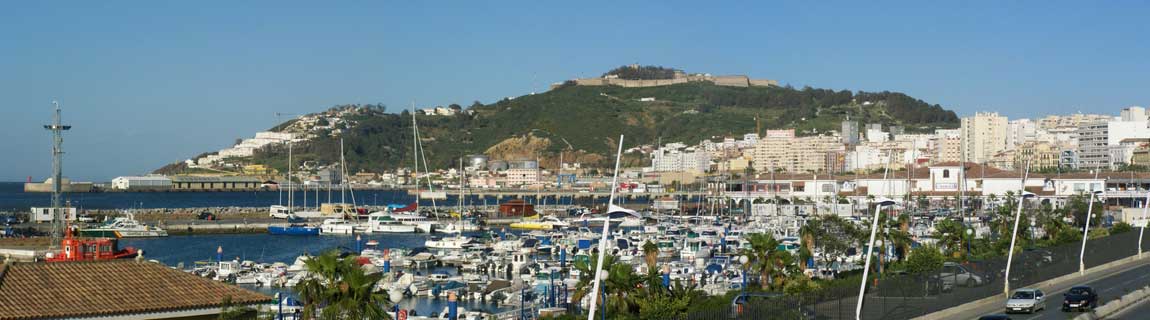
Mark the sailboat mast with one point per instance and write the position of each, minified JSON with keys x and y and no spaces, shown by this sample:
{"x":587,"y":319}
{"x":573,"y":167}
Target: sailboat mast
{"x":343,"y":171}
{"x":415,"y":150}
{"x":291,"y":192}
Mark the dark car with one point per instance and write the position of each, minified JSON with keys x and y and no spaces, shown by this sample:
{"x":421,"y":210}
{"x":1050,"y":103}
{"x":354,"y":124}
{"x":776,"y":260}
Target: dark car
{"x":207,"y":216}
{"x":994,"y":317}
{"x":1080,"y":298}
{"x":10,"y":219}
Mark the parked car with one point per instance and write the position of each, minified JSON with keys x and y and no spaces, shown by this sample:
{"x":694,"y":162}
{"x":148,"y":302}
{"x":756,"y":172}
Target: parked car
{"x":10,"y":219}
{"x":1026,"y":300}
{"x":1080,"y":298}
{"x":207,"y":216}
{"x":954,"y":274}
{"x":85,"y":218}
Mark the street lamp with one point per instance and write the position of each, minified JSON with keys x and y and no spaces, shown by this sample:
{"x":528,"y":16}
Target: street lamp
{"x":881,"y":202}
{"x":1086,"y":230}
{"x":1013,"y":237}
{"x":1145,"y":208}
{"x":969,"y":235}
{"x":743,"y":261}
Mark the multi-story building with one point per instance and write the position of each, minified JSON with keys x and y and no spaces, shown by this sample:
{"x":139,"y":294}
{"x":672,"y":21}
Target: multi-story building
{"x":1020,"y":131}
{"x":983,"y":136}
{"x":850,"y":132}
{"x":521,"y":176}
{"x":948,"y":145}
{"x":1093,"y":152}
{"x":783,"y":151}
{"x":1073,"y":121}
{"x":680,"y":159}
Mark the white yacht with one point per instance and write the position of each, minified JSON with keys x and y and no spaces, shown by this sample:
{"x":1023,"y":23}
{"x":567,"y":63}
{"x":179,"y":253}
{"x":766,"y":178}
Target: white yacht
{"x":455,"y":242}
{"x":421,"y":223}
{"x":337,"y":226}
{"x":124,"y":227}
{"x":384,"y":223}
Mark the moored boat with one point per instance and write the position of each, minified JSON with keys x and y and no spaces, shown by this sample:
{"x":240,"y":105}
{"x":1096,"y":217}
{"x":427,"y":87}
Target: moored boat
{"x":294,"y":230}
{"x":124,"y":227}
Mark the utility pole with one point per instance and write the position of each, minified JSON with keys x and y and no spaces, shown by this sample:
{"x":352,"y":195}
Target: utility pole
{"x":57,"y":155}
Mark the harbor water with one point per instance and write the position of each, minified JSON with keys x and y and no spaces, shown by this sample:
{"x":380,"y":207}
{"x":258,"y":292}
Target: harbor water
{"x":187,"y":250}
{"x":13,"y":198}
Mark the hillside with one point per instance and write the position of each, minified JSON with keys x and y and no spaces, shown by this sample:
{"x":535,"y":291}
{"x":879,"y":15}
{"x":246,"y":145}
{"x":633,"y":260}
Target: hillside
{"x":586,"y":121}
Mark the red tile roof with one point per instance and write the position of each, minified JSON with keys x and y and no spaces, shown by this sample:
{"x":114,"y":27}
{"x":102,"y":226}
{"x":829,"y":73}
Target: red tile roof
{"x":106,"y":288}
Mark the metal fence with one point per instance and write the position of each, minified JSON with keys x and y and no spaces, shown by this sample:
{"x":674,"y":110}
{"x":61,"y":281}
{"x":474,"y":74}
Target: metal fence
{"x":904,"y":296}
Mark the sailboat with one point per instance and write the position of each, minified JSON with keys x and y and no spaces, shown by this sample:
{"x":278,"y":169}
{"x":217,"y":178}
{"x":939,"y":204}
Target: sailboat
{"x":462,"y":225}
{"x":452,"y":242}
{"x":280,"y":211}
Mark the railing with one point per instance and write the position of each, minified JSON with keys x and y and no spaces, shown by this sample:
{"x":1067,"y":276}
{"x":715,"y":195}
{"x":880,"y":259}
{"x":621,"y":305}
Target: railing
{"x":911,"y":295}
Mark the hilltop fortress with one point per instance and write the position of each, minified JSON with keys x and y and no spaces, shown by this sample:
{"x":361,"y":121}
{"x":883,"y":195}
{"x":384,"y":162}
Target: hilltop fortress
{"x":679,"y":77}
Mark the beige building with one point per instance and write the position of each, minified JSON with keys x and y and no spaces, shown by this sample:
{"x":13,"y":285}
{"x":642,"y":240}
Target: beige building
{"x":522,"y":176}
{"x":983,"y":136}
{"x":794,"y":154}
{"x":1042,"y":155}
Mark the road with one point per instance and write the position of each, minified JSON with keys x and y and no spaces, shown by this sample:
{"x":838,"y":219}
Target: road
{"x":1110,"y":287}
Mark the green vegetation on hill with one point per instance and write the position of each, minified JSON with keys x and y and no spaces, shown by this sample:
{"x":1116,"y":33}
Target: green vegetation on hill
{"x":590,"y":119}
{"x":635,"y":72}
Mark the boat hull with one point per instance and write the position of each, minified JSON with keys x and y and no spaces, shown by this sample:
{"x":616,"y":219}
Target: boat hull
{"x":100,"y":233}
{"x":293,"y":231}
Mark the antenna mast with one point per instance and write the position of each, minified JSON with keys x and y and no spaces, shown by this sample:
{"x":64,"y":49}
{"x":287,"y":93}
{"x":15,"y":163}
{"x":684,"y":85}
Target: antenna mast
{"x":57,"y":154}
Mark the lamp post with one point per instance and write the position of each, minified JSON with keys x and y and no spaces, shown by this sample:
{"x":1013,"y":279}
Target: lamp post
{"x":1145,"y":208}
{"x":881,"y":202}
{"x":969,"y":235}
{"x":1086,"y":231}
{"x":1013,"y":237}
{"x":743,"y":261}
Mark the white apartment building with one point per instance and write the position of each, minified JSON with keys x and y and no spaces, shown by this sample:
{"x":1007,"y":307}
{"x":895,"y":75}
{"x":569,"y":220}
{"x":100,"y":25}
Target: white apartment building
{"x":983,"y":136}
{"x":680,"y":160}
{"x":1020,"y":131}
{"x":1101,"y":144}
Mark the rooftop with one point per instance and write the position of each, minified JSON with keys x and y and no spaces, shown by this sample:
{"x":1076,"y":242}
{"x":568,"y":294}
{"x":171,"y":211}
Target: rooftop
{"x":108,"y":288}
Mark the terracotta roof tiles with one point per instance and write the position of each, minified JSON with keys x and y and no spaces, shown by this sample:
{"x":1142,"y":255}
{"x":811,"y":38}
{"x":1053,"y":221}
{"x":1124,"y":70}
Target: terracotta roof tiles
{"x":81,"y":289}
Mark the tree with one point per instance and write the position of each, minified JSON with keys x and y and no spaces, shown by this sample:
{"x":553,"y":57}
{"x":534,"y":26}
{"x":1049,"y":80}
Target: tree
{"x":924,"y":259}
{"x":950,"y":234}
{"x":1121,"y":227}
{"x":341,"y":288}
{"x":650,"y":254}
{"x":771,"y":263}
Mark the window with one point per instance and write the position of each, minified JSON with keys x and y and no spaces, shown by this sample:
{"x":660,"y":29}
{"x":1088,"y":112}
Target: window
{"x":946,"y":173}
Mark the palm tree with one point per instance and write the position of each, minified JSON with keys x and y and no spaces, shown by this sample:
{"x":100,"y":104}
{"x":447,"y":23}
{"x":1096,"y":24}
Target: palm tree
{"x":772,"y":264}
{"x":650,"y":254}
{"x":341,"y":288}
{"x":950,"y":234}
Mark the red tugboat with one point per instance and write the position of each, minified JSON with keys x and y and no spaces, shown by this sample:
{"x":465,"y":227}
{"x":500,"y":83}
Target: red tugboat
{"x":89,"y":249}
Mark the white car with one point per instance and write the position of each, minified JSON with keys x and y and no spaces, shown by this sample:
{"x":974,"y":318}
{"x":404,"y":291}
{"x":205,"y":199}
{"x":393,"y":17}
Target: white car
{"x":279,"y":212}
{"x":1026,"y":301}
{"x":955,"y":275}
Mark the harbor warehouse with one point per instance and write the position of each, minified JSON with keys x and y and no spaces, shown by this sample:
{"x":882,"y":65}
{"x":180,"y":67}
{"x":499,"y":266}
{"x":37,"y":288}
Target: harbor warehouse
{"x":196,"y":183}
{"x":142,"y":183}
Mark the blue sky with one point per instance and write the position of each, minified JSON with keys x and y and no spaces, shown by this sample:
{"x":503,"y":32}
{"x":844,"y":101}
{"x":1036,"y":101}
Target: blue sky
{"x":153,"y":82}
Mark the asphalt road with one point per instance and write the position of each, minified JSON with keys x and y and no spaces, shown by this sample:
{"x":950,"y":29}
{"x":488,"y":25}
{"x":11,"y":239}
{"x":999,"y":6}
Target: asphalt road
{"x":1109,"y":288}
